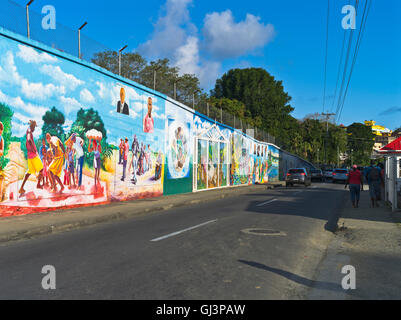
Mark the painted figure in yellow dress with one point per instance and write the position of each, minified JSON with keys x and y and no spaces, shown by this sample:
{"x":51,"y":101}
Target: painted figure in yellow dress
{"x":56,"y":167}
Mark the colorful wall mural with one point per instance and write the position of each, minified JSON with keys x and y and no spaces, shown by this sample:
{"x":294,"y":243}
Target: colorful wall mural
{"x":212,"y":157}
{"x":179,"y":149}
{"x":78,"y":137}
{"x":73,"y":134}
{"x":241,"y":159}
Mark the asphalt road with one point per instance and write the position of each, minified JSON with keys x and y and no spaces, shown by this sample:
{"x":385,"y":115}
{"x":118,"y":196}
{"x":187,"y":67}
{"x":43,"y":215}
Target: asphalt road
{"x":202,"y":251}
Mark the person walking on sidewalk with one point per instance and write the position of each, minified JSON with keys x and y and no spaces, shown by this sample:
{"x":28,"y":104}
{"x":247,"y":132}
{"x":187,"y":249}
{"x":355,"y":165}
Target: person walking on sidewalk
{"x":355,"y":182}
{"x":373,"y":176}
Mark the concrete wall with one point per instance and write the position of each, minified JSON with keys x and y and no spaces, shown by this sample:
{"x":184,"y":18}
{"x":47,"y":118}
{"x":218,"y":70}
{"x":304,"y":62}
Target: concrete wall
{"x":171,"y":148}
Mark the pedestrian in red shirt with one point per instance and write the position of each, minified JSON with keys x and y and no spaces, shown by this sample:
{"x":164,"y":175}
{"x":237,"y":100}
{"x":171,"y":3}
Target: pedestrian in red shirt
{"x":355,"y":182}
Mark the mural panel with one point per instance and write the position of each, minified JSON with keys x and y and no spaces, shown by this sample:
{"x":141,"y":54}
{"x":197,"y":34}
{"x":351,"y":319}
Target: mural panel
{"x":212,"y":160}
{"x":73,"y":136}
{"x":241,"y":163}
{"x":274,"y":160}
{"x":179,"y":149}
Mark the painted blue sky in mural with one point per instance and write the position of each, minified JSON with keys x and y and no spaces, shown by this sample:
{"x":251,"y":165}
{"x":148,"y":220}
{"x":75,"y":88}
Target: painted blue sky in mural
{"x":69,"y":87}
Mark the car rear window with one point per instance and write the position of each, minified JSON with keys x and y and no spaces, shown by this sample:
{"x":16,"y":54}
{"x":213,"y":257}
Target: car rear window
{"x":292,"y":171}
{"x":341,"y":171}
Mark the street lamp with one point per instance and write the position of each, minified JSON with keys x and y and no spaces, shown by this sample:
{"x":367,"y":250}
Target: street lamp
{"x":79,"y":39}
{"x":27,"y":18}
{"x":175,"y":87}
{"x":193,"y":99}
{"x":154,"y":76}
{"x":119,"y":59}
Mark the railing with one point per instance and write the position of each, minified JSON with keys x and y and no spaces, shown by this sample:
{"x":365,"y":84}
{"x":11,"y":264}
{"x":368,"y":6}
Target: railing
{"x":28,"y":22}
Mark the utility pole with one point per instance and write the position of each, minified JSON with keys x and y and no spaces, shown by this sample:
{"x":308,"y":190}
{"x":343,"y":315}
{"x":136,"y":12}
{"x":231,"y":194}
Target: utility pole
{"x":327,"y":116}
{"x":27,"y":18}
{"x":79,"y":40}
{"x":338,"y":156}
{"x":119,"y":59}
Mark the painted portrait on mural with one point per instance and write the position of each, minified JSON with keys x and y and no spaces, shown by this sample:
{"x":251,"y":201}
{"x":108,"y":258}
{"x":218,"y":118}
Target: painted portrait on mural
{"x":179,"y":141}
{"x":140,"y":153}
{"x":122,"y":106}
{"x":148,"y":121}
{"x":178,"y":149}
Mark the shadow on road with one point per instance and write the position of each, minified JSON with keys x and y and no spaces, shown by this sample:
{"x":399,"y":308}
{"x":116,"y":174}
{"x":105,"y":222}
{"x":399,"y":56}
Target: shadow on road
{"x":296,"y":278}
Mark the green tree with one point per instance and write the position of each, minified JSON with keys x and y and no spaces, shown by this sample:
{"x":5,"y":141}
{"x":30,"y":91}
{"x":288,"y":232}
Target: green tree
{"x":313,"y":137}
{"x":336,"y":143}
{"x":87,"y":120}
{"x":186,"y":85}
{"x":360,"y":143}
{"x":136,"y":68}
{"x":262,"y":95}
{"x":131,"y":63}
{"x":6,"y":115}
{"x":53,"y":124}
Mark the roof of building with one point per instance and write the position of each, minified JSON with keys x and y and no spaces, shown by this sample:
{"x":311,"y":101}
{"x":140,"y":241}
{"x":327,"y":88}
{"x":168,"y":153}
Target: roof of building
{"x":393,"y":147}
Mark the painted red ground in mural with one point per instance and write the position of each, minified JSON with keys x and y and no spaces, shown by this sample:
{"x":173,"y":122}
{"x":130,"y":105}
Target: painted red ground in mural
{"x":39,"y":200}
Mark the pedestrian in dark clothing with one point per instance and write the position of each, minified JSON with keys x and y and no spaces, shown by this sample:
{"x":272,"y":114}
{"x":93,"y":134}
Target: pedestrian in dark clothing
{"x":373,"y":176}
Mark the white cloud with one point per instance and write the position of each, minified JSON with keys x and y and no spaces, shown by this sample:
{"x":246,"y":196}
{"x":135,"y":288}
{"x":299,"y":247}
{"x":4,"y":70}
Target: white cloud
{"x":187,"y":56}
{"x":31,"y":90}
{"x":170,"y":30}
{"x":9,"y":73}
{"x":34,"y":111}
{"x":102,"y":89}
{"x":65,"y":79}
{"x":177,"y":38}
{"x":67,"y":125}
{"x":69,"y":104}
{"x":30,"y":55}
{"x":86,"y":96}
{"x":18,"y":129}
{"x":224,"y":38}
{"x":40,"y":91}
{"x":189,"y":61}
{"x":23,"y":112}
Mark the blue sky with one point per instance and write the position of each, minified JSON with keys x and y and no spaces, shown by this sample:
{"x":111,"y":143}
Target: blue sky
{"x":287,"y":38}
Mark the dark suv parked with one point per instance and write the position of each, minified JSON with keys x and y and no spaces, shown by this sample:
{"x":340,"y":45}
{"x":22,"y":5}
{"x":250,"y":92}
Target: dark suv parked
{"x":317,"y":174}
{"x":298,"y":176}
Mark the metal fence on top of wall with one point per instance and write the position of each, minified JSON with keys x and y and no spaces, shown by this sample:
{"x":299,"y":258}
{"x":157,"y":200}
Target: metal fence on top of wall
{"x":14,"y":17}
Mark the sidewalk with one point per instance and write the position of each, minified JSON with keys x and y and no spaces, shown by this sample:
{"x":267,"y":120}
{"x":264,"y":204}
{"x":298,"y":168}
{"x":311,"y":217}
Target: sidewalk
{"x":32,"y":225}
{"x":370,"y":240}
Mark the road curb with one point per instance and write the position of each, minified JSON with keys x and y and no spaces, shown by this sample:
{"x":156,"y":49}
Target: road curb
{"x":76,"y":222}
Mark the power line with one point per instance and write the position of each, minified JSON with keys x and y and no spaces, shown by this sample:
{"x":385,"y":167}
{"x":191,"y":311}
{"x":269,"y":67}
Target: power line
{"x":325,"y":62}
{"x":346,"y":63}
{"x":339,"y":71}
{"x":358,"y":44}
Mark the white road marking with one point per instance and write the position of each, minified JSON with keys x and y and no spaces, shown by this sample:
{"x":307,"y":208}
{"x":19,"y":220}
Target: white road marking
{"x":267,"y":202}
{"x":297,"y":193}
{"x":182,"y":231}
